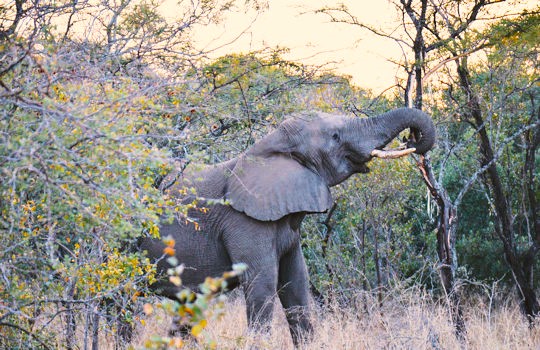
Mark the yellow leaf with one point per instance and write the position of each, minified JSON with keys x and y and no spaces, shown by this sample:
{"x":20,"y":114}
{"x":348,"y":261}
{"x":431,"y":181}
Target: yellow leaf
{"x":196,"y":330}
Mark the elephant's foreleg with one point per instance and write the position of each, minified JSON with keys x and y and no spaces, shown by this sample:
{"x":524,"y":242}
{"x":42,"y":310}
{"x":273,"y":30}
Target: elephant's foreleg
{"x":293,"y":291}
{"x":260,"y":292}
{"x":252,"y":243}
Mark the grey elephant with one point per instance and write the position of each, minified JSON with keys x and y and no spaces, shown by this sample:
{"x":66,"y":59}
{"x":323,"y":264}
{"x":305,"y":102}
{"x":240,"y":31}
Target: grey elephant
{"x":255,"y":204}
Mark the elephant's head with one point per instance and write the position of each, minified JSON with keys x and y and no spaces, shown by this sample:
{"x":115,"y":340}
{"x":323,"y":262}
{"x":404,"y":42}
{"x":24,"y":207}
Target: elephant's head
{"x":291,"y":169}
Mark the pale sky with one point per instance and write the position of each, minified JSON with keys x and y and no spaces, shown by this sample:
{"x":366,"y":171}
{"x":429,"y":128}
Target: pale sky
{"x":313,"y":39}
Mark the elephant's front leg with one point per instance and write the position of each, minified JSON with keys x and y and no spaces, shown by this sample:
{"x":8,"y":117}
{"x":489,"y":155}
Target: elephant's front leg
{"x":260,"y":293}
{"x":293,"y":291}
{"x":254,"y":247}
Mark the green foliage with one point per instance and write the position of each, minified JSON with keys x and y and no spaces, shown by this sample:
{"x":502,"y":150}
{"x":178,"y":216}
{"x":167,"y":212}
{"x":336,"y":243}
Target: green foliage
{"x":79,"y":169}
{"x":519,"y":34}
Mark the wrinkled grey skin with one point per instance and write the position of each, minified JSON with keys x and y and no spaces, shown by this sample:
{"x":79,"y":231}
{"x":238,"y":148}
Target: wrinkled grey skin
{"x":270,"y":188}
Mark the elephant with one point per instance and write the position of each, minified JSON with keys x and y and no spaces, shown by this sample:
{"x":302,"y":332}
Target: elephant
{"x":254,"y":204}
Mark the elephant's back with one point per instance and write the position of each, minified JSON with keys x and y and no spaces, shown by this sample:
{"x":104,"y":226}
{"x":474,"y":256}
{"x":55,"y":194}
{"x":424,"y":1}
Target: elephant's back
{"x":208,"y":182}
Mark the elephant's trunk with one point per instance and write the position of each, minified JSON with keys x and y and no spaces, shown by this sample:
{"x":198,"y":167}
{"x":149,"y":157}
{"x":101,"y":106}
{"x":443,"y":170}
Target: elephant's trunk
{"x":380,"y":130}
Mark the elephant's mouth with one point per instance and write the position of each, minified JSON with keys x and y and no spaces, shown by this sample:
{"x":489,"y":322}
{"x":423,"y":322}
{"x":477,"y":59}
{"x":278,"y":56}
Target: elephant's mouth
{"x":357,"y":164}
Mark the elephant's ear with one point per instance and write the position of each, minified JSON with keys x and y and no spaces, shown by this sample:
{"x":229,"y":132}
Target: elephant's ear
{"x":268,"y":188}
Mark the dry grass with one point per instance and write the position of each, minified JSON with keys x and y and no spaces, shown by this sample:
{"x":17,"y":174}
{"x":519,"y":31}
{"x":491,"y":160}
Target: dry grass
{"x":406,"y":321}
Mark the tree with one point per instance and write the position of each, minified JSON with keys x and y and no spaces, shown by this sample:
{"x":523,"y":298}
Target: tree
{"x":493,"y":98}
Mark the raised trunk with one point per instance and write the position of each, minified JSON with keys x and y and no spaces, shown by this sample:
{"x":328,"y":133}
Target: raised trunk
{"x":382,"y":129}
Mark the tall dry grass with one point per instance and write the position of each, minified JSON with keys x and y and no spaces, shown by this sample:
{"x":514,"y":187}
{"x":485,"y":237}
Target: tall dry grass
{"x":407,"y":320}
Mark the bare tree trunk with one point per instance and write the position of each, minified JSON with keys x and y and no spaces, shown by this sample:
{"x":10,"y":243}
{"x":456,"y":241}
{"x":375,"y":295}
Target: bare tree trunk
{"x":363,"y":265}
{"x":419,"y":49}
{"x":446,"y":243}
{"x":71,"y":327}
{"x":95,"y":328}
{"x":377,"y":261}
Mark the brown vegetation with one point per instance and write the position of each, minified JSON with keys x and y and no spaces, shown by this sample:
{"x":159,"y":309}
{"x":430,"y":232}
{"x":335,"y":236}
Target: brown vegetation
{"x":409,"y":319}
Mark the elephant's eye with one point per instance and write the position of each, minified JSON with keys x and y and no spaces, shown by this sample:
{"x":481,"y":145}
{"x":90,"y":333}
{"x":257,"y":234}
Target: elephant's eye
{"x":335,"y":137}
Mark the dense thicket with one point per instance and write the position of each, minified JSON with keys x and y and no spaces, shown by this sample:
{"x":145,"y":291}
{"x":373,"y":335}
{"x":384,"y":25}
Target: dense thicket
{"x":100,"y":100}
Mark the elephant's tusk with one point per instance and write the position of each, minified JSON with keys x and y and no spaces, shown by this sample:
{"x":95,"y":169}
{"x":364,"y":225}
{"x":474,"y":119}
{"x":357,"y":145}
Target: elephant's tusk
{"x":392,"y":154}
